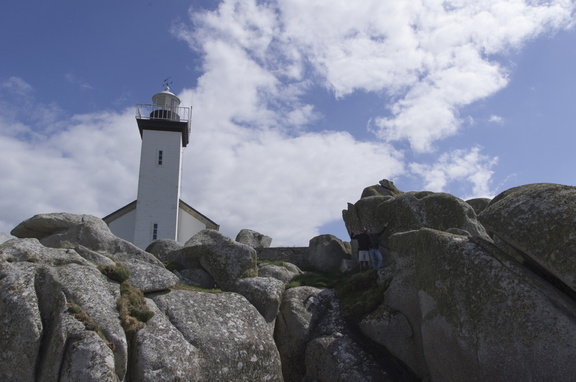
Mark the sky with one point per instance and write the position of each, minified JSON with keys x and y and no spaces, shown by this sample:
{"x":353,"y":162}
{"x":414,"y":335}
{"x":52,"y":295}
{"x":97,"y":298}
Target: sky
{"x":297,"y":105}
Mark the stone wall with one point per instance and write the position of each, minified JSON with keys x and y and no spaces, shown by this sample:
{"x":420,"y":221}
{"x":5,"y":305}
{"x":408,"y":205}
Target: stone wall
{"x":295,"y":255}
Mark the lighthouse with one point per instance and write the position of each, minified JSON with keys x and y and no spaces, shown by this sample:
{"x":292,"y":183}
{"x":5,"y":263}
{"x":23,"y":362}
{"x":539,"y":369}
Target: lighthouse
{"x":158,"y":212}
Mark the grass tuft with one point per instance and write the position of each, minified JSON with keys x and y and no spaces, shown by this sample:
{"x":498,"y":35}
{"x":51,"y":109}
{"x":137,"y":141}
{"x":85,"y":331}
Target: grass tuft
{"x":117,"y":272}
{"x":132,"y":308}
{"x":196,"y":288}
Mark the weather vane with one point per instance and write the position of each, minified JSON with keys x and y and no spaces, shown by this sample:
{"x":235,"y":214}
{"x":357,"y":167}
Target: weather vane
{"x":166,"y":84}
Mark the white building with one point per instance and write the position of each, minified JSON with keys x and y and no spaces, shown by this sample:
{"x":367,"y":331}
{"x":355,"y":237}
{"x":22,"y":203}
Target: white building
{"x":158,"y":212}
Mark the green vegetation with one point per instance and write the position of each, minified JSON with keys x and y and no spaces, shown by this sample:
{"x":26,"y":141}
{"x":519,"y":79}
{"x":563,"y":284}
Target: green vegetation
{"x":196,"y":288}
{"x":117,"y":272}
{"x":89,"y":323}
{"x":133,"y":310}
{"x":359,"y":293}
{"x":278,"y":263}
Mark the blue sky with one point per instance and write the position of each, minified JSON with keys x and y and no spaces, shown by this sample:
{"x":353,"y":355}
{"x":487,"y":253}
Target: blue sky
{"x":297,"y":105}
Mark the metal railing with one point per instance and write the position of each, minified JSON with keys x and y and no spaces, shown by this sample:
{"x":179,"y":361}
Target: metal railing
{"x":176,"y":114}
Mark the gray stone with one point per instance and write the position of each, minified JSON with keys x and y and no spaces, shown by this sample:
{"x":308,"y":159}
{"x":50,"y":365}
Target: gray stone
{"x":163,"y":246}
{"x":198,"y":277}
{"x":20,"y":322}
{"x":284,"y":273}
{"x":300,"y":308}
{"x":265,"y":293}
{"x":30,"y":250}
{"x":182,"y":258}
{"x":97,"y":296}
{"x":538,"y":220}
{"x":337,"y":357}
{"x":43,"y":225}
{"x":162,"y":353}
{"x":232,"y":338}
{"x":226,"y":260}
{"x":253,"y":239}
{"x":36,"y":285}
{"x":205,"y":237}
{"x":146,"y":271}
{"x":479,"y":204}
{"x":384,"y":188}
{"x":411,"y":211}
{"x":476,"y":316}
{"x":389,"y":328}
{"x":327,"y":252}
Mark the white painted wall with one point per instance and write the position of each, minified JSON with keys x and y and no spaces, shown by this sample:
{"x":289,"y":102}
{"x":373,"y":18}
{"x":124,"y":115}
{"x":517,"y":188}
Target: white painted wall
{"x":158,"y":186}
{"x":123,"y":227}
{"x":188,"y":227}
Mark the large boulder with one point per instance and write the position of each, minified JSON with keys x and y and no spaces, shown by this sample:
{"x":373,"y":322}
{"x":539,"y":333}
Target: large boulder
{"x":146,"y":271}
{"x":327,"y":252}
{"x":43,"y":225}
{"x":265,"y":293}
{"x":539,"y":220}
{"x":226,"y":260}
{"x":284,"y":272}
{"x":477,"y":315}
{"x":162,"y":246}
{"x":253,"y":239}
{"x":411,"y":211}
{"x":232,"y":340}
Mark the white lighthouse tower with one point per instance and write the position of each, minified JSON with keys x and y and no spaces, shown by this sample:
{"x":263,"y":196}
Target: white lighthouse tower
{"x":164,"y":134}
{"x":158,"y":212}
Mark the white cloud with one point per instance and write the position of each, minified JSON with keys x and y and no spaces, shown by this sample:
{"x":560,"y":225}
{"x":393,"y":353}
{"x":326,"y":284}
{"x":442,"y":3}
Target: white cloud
{"x":88,"y":165}
{"x":463,"y":166}
{"x":431,"y":57}
{"x":496,"y":119}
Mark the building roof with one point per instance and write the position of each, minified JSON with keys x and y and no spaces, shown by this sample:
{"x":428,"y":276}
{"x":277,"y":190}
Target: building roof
{"x":183,"y":205}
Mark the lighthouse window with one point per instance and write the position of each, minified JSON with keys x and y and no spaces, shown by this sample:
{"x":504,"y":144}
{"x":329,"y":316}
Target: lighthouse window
{"x":155,"y":231}
{"x":159,"y":157}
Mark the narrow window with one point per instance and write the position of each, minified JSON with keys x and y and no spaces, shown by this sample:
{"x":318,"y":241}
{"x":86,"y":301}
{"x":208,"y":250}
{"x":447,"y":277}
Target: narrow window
{"x":155,"y":231}
{"x":160,"y":154}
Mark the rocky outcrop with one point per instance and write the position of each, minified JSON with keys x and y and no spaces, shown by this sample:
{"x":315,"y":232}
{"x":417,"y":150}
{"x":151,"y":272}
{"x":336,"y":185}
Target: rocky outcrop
{"x":315,"y":342}
{"x":43,"y":338}
{"x":60,"y":308}
{"x":462,"y":296}
{"x":477,"y":316}
{"x":253,"y":239}
{"x":412,"y":210}
{"x":539,"y":221}
{"x":459,"y":306}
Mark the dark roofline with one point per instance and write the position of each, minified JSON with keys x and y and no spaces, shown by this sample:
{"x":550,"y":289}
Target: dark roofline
{"x":201,"y":215}
{"x":120,"y":212}
{"x":132,"y":206}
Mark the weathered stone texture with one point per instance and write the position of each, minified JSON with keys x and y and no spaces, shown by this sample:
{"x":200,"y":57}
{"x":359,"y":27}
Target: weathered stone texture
{"x":539,"y":220}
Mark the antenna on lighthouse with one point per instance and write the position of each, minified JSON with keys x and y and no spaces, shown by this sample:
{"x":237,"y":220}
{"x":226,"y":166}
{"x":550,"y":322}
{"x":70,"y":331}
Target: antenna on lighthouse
{"x":166,"y":84}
